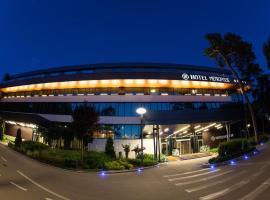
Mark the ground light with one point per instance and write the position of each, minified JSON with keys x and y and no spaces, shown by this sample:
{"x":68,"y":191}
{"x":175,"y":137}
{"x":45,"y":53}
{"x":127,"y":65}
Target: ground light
{"x":212,"y":166}
{"x":102,"y":173}
{"x":139,"y":171}
{"x":245,"y":157}
{"x":232,"y":162}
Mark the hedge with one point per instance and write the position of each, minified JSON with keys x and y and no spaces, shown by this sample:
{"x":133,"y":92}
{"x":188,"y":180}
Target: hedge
{"x":232,"y":149}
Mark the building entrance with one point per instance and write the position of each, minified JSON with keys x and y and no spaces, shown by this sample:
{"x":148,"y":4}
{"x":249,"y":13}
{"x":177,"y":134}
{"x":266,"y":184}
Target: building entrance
{"x":184,"y":146}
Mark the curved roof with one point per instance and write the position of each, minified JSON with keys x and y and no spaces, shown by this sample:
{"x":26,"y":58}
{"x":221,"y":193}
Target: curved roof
{"x":113,"y":66}
{"x":111,"y":71}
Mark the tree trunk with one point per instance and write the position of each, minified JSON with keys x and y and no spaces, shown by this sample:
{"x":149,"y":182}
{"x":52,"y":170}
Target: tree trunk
{"x":82,"y":145}
{"x":245,"y":98}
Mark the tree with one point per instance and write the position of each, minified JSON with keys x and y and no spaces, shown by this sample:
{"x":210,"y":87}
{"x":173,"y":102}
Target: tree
{"x":6,"y":77}
{"x":18,"y":139}
{"x":2,"y":129}
{"x":237,"y":55}
{"x":85,"y":119}
{"x":266,"y":51}
{"x":109,"y":148}
{"x":126,"y":148}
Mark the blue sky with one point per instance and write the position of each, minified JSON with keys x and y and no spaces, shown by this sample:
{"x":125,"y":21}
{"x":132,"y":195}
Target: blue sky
{"x":40,"y":34}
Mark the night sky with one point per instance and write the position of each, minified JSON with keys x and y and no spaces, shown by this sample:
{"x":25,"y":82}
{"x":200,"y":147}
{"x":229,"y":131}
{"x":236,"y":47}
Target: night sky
{"x":50,"y":33}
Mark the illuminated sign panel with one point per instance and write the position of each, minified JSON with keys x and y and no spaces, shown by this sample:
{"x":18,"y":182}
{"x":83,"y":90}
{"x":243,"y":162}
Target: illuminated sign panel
{"x":210,"y":78}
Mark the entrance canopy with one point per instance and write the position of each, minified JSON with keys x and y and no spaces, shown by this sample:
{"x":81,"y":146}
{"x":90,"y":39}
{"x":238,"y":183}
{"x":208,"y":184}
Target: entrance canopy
{"x":191,"y":116}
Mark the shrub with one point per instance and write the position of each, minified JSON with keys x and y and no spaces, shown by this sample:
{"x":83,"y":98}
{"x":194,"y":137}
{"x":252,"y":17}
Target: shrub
{"x":32,"y":146}
{"x":126,"y":148}
{"x":146,"y":162}
{"x":263,"y":138}
{"x":126,"y":164}
{"x":204,"y":148}
{"x":214,"y":150}
{"x":163,"y":158}
{"x":95,"y":160}
{"x":114,"y":165}
{"x":138,"y":150}
{"x":18,"y":140}
{"x":33,"y":154}
{"x":61,"y":158}
{"x":232,"y":149}
{"x":1,"y":136}
{"x":146,"y":156}
{"x":109,"y":149}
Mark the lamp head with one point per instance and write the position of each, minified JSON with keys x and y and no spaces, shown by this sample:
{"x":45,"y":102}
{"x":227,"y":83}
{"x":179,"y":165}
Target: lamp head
{"x":141,"y":111}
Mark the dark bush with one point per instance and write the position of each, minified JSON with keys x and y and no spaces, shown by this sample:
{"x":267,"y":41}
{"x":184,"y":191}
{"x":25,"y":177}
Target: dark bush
{"x":232,"y":149}
{"x":33,"y":146}
{"x":117,"y":165}
{"x":109,"y":149}
{"x":146,"y":162}
{"x":18,"y":139}
{"x":95,"y":160}
{"x":263,"y":138}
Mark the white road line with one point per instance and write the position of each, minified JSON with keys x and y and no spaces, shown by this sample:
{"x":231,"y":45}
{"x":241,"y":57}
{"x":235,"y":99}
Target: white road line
{"x":202,"y":179}
{"x":214,"y":183}
{"x":193,"y":176}
{"x":42,"y":187}
{"x":252,"y":195}
{"x":20,"y":187}
{"x":224,"y":191}
{"x":5,"y":160}
{"x":185,"y":173}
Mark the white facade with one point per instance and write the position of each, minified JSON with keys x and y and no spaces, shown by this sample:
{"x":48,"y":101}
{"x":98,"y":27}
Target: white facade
{"x":99,"y":145}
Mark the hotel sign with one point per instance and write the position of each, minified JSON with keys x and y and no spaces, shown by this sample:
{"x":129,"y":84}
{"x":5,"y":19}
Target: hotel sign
{"x":196,"y":77}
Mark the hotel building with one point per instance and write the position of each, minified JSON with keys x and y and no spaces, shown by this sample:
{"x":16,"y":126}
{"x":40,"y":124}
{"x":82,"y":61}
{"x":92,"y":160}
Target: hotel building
{"x":187,"y":106}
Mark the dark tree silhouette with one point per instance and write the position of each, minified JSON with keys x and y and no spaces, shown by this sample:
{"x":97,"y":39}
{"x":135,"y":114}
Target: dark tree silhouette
{"x":266,"y":51}
{"x":109,"y":148}
{"x":85,"y":119}
{"x":18,"y":139}
{"x":6,"y":77}
{"x":232,"y":52}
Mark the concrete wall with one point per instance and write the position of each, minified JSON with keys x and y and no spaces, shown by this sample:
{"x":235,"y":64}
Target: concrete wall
{"x":99,"y":145}
{"x":12,"y":130}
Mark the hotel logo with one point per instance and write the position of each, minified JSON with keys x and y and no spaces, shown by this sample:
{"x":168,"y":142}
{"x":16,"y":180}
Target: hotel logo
{"x":185,"y":76}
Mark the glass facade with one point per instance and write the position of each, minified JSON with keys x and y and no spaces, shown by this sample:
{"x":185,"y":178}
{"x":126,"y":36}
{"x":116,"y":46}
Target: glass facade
{"x":111,"y":109}
{"x":122,"y":91}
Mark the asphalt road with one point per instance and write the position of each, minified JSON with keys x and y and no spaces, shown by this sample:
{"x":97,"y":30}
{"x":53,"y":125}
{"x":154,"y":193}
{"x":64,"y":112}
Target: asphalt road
{"x":23,"y":178}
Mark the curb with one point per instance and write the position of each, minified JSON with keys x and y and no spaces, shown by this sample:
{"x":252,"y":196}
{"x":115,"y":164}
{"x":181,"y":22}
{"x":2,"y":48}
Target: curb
{"x":138,"y":169}
{"x":250,"y":154}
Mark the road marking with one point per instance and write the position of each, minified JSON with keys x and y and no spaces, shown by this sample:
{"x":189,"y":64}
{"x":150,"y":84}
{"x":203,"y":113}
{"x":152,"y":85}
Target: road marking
{"x":20,"y":187}
{"x":252,"y":195}
{"x":193,"y":176}
{"x":185,"y":173}
{"x":42,"y":187}
{"x":213,"y":183}
{"x":202,"y":179}
{"x":5,"y":160}
{"x":224,"y":191}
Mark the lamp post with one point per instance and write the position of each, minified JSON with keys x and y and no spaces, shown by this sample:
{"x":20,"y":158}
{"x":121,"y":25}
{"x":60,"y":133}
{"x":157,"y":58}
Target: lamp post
{"x":141,"y":111}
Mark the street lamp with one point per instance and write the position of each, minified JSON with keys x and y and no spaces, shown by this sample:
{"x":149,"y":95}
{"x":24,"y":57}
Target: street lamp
{"x":141,"y":111}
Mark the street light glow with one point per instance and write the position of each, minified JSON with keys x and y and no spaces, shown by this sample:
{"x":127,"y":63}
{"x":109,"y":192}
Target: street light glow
{"x":141,"y":111}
